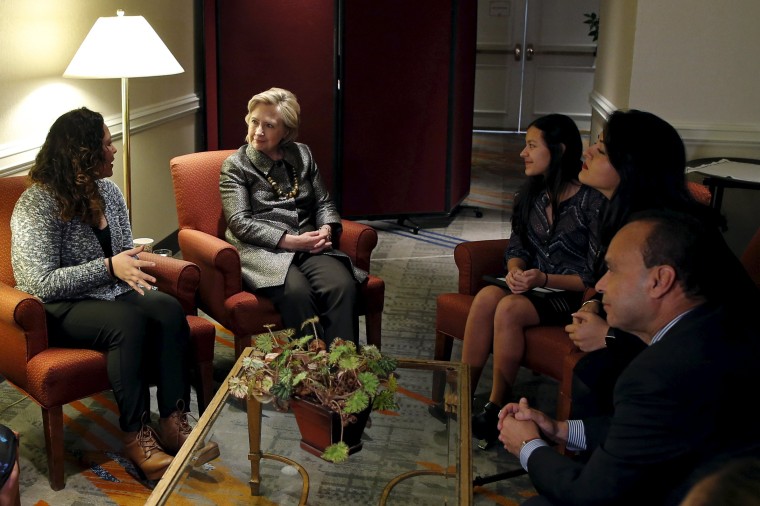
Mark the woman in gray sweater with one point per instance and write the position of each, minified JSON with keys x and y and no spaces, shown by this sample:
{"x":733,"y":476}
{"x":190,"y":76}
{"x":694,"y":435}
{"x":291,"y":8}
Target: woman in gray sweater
{"x":72,"y":248}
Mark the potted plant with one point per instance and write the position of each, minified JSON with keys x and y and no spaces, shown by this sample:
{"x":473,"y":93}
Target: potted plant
{"x":344,"y":383}
{"x":592,"y":20}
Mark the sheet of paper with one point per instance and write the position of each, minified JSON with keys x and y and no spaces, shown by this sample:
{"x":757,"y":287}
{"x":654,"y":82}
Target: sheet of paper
{"x":728,"y":169}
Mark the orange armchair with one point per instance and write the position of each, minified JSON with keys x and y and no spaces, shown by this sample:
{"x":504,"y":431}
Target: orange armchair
{"x":548,"y":350}
{"x":221,"y":294}
{"x":52,"y":376}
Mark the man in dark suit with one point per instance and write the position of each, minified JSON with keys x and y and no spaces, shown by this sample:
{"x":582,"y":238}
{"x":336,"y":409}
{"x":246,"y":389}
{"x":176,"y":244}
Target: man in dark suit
{"x":677,"y":406}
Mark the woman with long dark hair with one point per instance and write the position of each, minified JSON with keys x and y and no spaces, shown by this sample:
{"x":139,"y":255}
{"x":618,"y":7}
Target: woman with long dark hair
{"x":72,"y":248}
{"x":551,"y":245}
{"x":638,"y":163}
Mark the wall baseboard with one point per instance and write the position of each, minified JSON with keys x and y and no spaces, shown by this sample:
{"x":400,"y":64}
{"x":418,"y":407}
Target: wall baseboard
{"x":19,"y":156}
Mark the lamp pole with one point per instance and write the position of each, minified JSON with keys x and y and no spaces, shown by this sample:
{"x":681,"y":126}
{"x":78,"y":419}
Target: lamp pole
{"x":126,"y":145}
{"x":141,"y":53}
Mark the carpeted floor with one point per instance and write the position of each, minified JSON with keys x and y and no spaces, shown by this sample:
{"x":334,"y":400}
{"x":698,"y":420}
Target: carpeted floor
{"x":415,"y":267}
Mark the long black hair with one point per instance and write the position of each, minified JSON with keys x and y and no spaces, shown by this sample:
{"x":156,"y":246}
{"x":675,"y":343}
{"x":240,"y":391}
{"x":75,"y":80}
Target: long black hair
{"x":561,"y":135}
{"x":69,"y":164}
{"x":650,"y":159}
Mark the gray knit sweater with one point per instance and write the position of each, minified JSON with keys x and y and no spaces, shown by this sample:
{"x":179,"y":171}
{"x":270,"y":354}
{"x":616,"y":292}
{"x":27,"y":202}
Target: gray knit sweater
{"x":59,"y":260}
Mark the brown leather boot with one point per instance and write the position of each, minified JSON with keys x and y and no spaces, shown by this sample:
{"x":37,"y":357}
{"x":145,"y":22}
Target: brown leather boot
{"x":144,"y":450}
{"x":175,"y":430}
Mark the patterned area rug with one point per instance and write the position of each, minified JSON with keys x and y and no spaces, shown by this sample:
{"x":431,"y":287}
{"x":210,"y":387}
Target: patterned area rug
{"x":415,"y":267}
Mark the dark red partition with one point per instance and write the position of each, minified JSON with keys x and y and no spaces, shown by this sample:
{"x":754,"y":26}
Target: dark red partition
{"x":284,"y":43}
{"x":395,"y":139}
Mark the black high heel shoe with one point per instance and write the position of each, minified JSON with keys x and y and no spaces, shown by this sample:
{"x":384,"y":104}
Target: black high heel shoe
{"x":484,"y":423}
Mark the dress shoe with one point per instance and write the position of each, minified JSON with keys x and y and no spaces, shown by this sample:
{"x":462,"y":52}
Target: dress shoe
{"x":145,"y":451}
{"x":175,"y":430}
{"x":484,"y":423}
{"x":208,"y":452}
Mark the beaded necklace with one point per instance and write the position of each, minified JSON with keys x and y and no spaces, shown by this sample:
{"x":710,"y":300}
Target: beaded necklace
{"x":294,"y":184}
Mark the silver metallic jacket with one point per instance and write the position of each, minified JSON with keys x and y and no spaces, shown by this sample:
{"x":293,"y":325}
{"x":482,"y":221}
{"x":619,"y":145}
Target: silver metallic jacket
{"x":54,"y":259}
{"x":257,"y":217}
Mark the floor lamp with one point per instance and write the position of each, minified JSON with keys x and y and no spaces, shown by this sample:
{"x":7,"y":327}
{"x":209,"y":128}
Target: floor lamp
{"x":123,"y":47}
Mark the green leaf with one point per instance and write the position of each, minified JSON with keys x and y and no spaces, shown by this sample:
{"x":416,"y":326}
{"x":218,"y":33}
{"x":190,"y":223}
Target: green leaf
{"x":385,"y":400}
{"x":336,"y":453}
{"x":370,"y":382}
{"x":357,"y":402}
{"x":299,"y":378}
{"x":264,"y":343}
{"x":281,"y":390}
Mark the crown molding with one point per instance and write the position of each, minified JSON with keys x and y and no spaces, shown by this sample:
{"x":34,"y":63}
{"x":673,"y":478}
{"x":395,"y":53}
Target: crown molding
{"x":19,"y":156}
{"x":727,"y":137}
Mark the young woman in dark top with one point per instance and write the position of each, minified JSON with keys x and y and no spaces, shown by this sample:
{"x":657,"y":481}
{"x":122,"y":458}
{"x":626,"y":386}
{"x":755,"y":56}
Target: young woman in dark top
{"x":551,"y":246}
{"x":638,"y":163}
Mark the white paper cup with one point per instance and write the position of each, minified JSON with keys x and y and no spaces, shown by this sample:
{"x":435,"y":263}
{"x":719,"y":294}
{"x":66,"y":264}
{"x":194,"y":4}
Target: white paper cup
{"x":144,"y":241}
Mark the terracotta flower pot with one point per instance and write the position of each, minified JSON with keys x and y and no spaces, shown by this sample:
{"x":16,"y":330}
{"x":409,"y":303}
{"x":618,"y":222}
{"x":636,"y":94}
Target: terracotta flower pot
{"x":320,"y":427}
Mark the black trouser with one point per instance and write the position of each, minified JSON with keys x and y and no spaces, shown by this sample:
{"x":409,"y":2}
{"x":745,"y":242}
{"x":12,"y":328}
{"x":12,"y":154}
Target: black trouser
{"x":146,"y":338}
{"x":318,"y":285}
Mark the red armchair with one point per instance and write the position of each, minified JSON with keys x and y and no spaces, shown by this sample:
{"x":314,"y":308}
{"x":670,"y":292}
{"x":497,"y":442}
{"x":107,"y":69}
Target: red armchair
{"x":52,"y":376}
{"x":548,"y":349}
{"x":221,"y":294}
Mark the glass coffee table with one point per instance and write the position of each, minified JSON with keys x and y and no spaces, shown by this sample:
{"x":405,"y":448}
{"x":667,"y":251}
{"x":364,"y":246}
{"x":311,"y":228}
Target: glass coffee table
{"x":415,"y":455}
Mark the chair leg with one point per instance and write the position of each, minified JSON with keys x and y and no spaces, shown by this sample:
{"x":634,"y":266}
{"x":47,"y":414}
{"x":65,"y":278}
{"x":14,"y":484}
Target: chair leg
{"x":204,"y":385}
{"x":52,"y":422}
{"x":443,"y":346}
{"x":374,"y":324}
{"x":241,"y":343}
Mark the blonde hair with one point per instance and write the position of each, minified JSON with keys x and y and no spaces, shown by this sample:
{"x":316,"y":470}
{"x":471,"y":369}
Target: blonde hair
{"x":287,"y":106}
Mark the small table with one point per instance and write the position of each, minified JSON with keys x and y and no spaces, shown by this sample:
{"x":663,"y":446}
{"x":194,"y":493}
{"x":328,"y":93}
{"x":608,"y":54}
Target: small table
{"x":408,"y":456}
{"x":721,"y":173}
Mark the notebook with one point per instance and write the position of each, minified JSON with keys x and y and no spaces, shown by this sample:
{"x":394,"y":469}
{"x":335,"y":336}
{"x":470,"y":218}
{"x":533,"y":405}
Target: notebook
{"x":495,"y":279}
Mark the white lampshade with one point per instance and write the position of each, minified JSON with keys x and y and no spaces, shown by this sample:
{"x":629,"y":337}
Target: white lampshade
{"x":122,"y":46}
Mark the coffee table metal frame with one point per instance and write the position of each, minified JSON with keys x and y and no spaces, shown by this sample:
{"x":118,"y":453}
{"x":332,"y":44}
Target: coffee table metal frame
{"x":183,"y":459}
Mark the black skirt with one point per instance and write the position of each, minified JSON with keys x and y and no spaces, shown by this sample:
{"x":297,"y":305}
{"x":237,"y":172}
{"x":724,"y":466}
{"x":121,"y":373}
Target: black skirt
{"x":555,"y":308}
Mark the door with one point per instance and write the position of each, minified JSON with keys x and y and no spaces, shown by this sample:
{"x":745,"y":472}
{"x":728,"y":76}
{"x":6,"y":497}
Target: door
{"x":534,"y":57}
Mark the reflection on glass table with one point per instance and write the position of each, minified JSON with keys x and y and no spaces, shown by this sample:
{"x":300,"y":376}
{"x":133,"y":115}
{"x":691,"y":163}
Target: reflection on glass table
{"x":408,"y":456}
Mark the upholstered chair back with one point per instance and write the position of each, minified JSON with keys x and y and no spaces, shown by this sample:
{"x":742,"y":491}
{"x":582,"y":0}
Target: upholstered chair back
{"x":11,"y":189}
{"x":196,"y":190}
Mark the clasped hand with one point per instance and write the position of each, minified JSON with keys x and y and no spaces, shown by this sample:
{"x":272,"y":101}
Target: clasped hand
{"x":520,"y":281}
{"x":126,"y":267}
{"x":314,"y":242}
{"x":519,"y":422}
{"x":588,"y":329}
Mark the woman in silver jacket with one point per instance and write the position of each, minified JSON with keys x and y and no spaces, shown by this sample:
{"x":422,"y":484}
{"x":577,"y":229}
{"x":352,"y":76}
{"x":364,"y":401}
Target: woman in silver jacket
{"x":71,"y":246}
{"x":283,"y":222}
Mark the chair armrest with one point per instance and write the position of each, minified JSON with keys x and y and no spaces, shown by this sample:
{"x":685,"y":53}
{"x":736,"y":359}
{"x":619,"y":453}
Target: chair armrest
{"x":219,"y":263}
{"x":176,"y":277}
{"x":564,"y":403}
{"x":477,"y":258}
{"x":357,"y":241}
{"x":23,"y":332}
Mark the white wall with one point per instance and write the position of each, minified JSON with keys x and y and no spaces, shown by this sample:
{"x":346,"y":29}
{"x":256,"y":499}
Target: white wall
{"x":695,"y":63}
{"x":37,"y":41}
